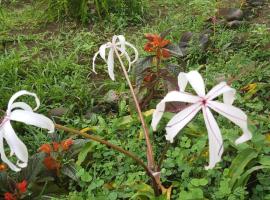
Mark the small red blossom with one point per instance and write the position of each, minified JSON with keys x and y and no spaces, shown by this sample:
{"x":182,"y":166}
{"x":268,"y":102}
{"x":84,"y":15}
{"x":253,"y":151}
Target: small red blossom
{"x":3,"y":167}
{"x":55,"y":146}
{"x":51,"y":163}
{"x":157,"y":44}
{"x":22,"y":186}
{"x":9,"y":196}
{"x":150,"y":77}
{"x":66,"y":144}
{"x":46,"y":148}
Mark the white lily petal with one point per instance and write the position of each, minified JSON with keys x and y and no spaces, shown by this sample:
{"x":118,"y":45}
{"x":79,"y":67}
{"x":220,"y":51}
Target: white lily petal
{"x":180,"y":120}
{"x":214,"y":137}
{"x":128,"y":58}
{"x":3,"y":154}
{"x":135,"y":51}
{"x":222,"y":88}
{"x":111,"y":64}
{"x":17,"y":95}
{"x":15,"y":144}
{"x":122,"y":42}
{"x":235,"y":115}
{"x":195,"y":79}
{"x":93,"y":64}
{"x":21,"y":105}
{"x":102,"y":51}
{"x":171,"y":97}
{"x":32,"y":118}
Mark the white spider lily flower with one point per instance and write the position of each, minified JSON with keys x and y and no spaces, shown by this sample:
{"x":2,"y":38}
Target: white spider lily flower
{"x":118,"y":43}
{"x":20,"y":112}
{"x":203,"y":102}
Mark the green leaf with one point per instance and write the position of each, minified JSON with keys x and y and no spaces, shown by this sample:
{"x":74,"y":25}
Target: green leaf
{"x":242,"y":181}
{"x":174,"y":50}
{"x":34,"y":167}
{"x":70,"y":171}
{"x":265,"y":160}
{"x":239,"y":163}
{"x":84,"y":152}
{"x":141,"y":65}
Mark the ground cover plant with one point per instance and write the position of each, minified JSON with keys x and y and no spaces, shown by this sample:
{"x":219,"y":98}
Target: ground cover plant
{"x":151,"y":56}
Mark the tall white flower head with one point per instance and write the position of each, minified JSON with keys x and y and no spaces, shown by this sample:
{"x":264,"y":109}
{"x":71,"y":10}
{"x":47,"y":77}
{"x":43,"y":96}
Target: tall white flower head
{"x":118,"y":43}
{"x":203,"y":102}
{"x":20,"y":112}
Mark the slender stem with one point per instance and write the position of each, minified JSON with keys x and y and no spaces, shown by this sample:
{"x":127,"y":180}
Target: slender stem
{"x":150,"y":157}
{"x":115,"y":147}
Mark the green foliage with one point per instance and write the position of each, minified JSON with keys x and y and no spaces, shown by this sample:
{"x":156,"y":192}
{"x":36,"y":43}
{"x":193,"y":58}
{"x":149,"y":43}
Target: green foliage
{"x":85,"y":10}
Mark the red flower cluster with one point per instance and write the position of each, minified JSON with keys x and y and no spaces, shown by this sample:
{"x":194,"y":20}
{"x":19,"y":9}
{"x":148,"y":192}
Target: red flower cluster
{"x":48,"y":148}
{"x":157,"y":44}
{"x":50,"y":162}
{"x":20,"y":189}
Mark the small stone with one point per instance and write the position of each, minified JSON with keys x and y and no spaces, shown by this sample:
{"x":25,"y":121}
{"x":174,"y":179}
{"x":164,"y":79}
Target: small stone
{"x":235,"y":23}
{"x":255,"y":2}
{"x":111,"y":97}
{"x":231,"y":14}
{"x":58,"y":112}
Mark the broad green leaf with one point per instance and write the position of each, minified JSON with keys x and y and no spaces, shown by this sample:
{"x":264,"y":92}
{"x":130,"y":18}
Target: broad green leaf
{"x":242,"y":181}
{"x":70,"y":171}
{"x":265,"y":160}
{"x":239,"y":163}
{"x":84,"y":151}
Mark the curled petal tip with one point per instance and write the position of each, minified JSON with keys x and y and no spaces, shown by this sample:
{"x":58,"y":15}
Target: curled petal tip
{"x":169,"y":138}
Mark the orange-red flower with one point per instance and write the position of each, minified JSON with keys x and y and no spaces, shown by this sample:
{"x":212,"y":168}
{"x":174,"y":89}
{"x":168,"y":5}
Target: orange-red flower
{"x":55,"y":146}
{"x":51,"y":163}
{"x":46,"y":148}
{"x":22,"y":186}
{"x":157,"y":44}
{"x":3,"y":167}
{"x":9,"y":196}
{"x":66,"y":144}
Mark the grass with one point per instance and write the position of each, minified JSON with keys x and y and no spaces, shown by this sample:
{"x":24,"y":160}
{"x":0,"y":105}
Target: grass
{"x":54,"y":61}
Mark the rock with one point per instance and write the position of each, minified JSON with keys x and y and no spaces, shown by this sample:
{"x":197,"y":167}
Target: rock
{"x":111,"y":97}
{"x":235,"y":23}
{"x":255,"y":2}
{"x":204,"y":39}
{"x":231,"y":14}
{"x":58,"y":112}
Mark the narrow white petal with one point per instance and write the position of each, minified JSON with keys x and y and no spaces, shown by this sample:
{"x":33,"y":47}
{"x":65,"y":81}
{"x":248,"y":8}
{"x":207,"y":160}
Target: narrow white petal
{"x":111,"y":64}
{"x":214,"y":137}
{"x":93,"y":64}
{"x":195,"y":79}
{"x":235,"y":115}
{"x":170,"y":97}
{"x":17,"y":95}
{"x":128,"y":58}
{"x":21,"y":105}
{"x":122,"y":42}
{"x":102,"y":51}
{"x":135,"y":51}
{"x":15,"y":144}
{"x":180,"y":120}
{"x":32,"y":118}
{"x":222,"y":88}
{"x":3,"y":155}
